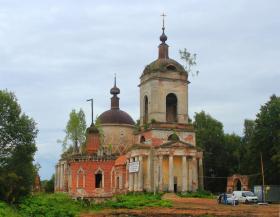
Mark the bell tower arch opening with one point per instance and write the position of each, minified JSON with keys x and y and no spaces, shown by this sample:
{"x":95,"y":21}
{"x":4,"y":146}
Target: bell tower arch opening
{"x":171,"y":108}
{"x":146,"y":118}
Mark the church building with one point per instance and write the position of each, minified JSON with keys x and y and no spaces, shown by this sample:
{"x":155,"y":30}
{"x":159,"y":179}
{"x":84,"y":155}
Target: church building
{"x":157,"y":154}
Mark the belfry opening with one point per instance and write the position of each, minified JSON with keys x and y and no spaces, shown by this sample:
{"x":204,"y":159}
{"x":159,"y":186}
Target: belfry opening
{"x":171,"y":108}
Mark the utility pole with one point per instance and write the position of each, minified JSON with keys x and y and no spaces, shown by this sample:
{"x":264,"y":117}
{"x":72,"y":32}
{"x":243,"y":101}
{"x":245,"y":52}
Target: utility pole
{"x":263,"y":194}
{"x":91,"y":100}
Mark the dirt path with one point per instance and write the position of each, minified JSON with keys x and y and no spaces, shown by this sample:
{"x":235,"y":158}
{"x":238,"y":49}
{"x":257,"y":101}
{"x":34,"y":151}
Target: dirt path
{"x":187,"y":207}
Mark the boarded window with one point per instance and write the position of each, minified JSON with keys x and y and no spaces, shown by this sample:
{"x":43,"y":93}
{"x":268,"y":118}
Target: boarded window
{"x":80,"y":179}
{"x":171,"y":108}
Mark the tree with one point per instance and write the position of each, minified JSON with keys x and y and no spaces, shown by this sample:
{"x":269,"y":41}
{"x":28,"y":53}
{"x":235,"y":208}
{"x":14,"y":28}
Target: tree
{"x":49,"y":185}
{"x":17,"y":149}
{"x":266,"y":140}
{"x":210,"y":137}
{"x":75,"y":131}
{"x":247,"y":164}
{"x":190,"y":61}
{"x":232,"y":143}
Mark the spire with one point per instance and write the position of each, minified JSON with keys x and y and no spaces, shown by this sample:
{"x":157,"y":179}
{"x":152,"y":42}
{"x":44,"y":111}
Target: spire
{"x":163,"y":37}
{"x":163,"y":47}
{"x":115,"y":99}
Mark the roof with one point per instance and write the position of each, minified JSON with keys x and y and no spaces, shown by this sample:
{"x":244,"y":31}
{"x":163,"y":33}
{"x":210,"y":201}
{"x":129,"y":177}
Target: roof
{"x":164,"y":64}
{"x":115,"y":116}
{"x":121,"y":160}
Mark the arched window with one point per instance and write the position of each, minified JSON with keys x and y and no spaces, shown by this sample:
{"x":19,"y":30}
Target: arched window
{"x":171,"y":108}
{"x":99,"y":179}
{"x":80,"y":178}
{"x":145,"y":109}
{"x":142,"y":139}
{"x":173,"y":137}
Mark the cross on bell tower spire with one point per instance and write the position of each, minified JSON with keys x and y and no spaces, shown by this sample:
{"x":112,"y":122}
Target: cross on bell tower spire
{"x":163,"y":47}
{"x":163,"y":15}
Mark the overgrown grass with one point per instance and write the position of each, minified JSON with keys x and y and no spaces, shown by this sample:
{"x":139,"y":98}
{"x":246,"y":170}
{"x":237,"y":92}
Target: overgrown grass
{"x":7,"y":211}
{"x":50,"y":205}
{"x":61,"y":205}
{"x":139,"y":200}
{"x":198,"y":194}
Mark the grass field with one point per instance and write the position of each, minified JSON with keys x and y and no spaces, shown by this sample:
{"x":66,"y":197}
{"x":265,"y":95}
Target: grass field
{"x":61,"y":205}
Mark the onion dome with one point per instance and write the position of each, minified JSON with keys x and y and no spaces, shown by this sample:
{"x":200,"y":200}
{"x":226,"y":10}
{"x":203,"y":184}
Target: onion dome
{"x":115,"y":90}
{"x":115,"y":115}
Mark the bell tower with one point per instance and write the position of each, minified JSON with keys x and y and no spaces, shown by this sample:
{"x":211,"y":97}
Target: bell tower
{"x":164,"y":89}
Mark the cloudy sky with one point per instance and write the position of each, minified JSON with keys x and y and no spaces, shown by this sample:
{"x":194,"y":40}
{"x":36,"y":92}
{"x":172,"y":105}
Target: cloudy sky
{"x":56,"y":54}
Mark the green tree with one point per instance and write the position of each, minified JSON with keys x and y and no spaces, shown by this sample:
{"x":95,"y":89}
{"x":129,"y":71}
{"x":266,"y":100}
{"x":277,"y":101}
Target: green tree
{"x":266,"y":140}
{"x":232,"y":143}
{"x":247,"y":164}
{"x":75,"y":132}
{"x":49,"y":185}
{"x":17,"y":149}
{"x":210,"y":137}
{"x":190,"y":61}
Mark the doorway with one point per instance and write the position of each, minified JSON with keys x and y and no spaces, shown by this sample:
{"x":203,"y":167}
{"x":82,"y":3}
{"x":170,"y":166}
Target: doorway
{"x":175,"y":184}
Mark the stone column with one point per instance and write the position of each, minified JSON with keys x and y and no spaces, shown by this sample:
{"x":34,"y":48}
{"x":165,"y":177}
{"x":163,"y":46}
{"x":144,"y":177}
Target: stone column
{"x":195,"y":175}
{"x":126,"y":175}
{"x":149,"y":173}
{"x":200,"y":169}
{"x":130,"y":179}
{"x":140,"y":174}
{"x":160,"y":174}
{"x":184,"y":173}
{"x":135,"y":186}
{"x":171,"y":176}
{"x":190,"y":179}
{"x":60,"y":177}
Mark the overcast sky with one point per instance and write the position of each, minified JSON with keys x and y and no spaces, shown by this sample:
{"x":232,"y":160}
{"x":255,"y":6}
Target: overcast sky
{"x":56,"y":54}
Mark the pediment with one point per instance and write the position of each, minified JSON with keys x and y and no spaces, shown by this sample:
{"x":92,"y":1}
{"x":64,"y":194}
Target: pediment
{"x":177,"y":144}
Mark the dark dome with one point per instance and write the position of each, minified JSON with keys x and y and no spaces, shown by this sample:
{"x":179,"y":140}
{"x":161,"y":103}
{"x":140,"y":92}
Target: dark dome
{"x":164,"y":65}
{"x":115,"y":116}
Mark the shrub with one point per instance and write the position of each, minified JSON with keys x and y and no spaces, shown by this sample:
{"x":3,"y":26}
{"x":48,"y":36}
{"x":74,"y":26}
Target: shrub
{"x":139,"y":200}
{"x":49,"y":205}
{"x":198,"y":194}
{"x":6,"y":210}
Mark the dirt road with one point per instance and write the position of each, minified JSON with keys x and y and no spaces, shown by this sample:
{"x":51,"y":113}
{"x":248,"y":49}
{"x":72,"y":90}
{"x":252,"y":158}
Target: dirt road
{"x":188,"y":207}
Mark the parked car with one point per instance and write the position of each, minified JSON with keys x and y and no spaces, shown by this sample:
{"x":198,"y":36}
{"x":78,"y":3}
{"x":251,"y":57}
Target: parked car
{"x":229,"y":199}
{"x":246,"y":196}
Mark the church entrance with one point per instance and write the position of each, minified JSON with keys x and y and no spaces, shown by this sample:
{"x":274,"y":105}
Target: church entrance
{"x":175,"y":184}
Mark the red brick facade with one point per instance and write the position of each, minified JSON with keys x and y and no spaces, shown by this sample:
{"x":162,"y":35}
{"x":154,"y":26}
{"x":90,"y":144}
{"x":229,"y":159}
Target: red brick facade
{"x":83,"y":178}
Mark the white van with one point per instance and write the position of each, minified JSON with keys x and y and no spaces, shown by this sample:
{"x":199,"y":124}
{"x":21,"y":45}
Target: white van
{"x":246,"y":196}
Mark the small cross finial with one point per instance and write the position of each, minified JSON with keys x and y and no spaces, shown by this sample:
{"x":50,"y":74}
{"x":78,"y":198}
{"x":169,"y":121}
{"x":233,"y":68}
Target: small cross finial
{"x":163,"y":15}
{"x":115,"y":78}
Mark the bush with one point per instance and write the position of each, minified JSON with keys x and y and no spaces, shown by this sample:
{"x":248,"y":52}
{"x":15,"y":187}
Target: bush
{"x":50,"y":205}
{"x":198,"y":194}
{"x":6,"y":210}
{"x":139,"y":200}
